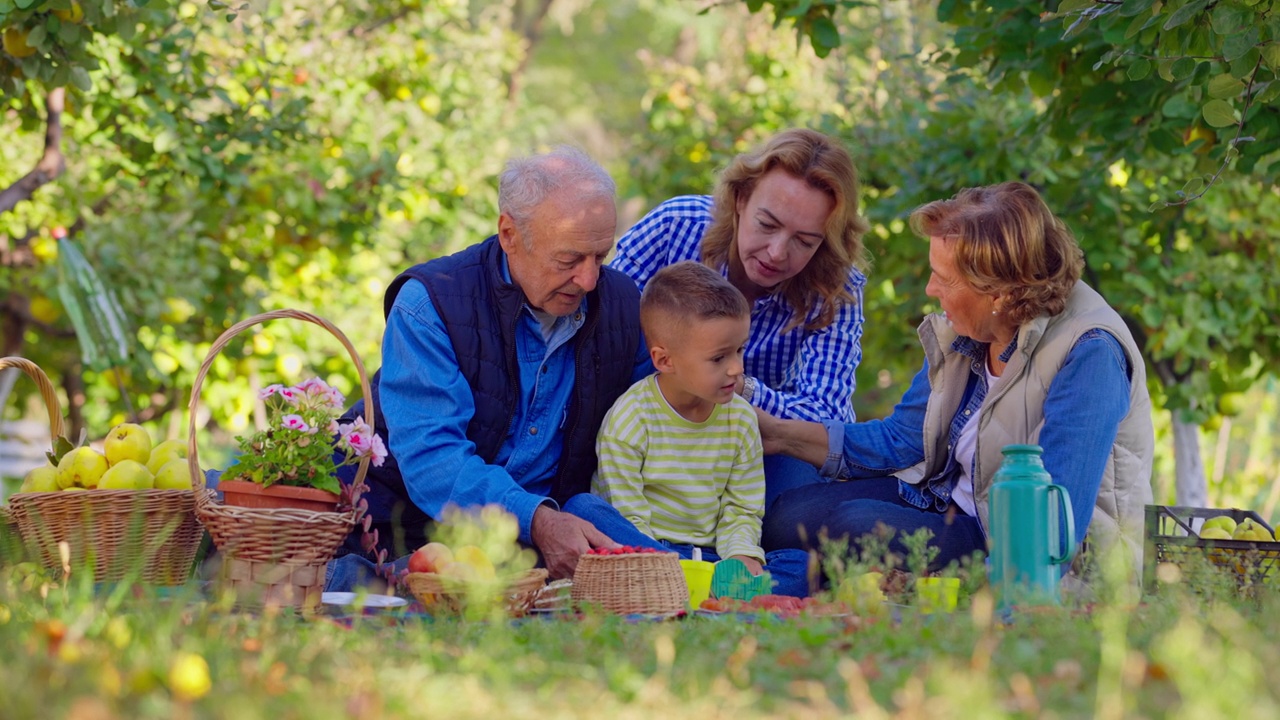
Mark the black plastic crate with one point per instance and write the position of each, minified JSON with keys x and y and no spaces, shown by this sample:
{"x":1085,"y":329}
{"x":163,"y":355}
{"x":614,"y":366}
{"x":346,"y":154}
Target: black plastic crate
{"x":1172,"y":537}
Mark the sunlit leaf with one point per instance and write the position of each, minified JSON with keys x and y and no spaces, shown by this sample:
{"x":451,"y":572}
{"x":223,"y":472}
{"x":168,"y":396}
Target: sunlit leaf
{"x":1219,"y":113}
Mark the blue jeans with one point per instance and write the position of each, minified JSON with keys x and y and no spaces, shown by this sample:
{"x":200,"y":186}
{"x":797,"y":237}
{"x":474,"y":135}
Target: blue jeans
{"x":789,"y":567}
{"x":853,"y":508}
{"x":353,"y":571}
{"x":783,"y":473}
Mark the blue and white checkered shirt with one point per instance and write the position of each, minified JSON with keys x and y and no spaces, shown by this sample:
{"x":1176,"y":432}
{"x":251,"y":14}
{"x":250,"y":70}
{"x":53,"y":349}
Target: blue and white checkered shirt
{"x":801,"y":374}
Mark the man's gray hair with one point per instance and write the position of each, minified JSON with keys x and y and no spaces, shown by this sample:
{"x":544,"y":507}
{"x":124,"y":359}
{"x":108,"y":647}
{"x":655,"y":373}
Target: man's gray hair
{"x":526,"y":182}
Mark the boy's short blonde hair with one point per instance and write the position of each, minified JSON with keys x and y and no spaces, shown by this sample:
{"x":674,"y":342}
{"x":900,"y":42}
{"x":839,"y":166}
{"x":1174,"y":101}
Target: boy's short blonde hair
{"x":686,"y":292}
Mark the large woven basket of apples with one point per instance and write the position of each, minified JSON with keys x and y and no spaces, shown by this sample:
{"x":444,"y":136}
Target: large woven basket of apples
{"x":126,"y":511}
{"x":475,"y":567}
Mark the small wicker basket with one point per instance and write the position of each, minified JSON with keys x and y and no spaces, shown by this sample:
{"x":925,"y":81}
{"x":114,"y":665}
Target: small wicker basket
{"x":274,"y":557}
{"x":450,"y":595}
{"x":149,"y":534}
{"x":635,"y":583}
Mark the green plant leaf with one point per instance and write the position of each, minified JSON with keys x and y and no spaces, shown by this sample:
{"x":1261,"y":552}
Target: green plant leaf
{"x":1271,"y":55}
{"x":1182,"y":68}
{"x":1136,"y":26}
{"x":1235,"y":46}
{"x":1244,"y":64}
{"x":1139,"y":69}
{"x":80,"y":78}
{"x":1069,"y":6}
{"x":1219,"y":113}
{"x":1225,"y":86}
{"x":1184,"y":14}
{"x":825,"y":34}
{"x":1135,"y":7}
{"x":1227,"y":19}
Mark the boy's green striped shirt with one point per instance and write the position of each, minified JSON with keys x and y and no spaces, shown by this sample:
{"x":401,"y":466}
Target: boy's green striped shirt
{"x":686,"y":482}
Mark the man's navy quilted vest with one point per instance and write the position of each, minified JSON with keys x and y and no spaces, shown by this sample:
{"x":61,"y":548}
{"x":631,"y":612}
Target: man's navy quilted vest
{"x":480,"y":311}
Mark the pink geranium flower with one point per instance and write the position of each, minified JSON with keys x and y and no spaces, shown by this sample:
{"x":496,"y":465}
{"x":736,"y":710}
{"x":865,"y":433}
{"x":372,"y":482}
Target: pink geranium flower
{"x":379,"y":451}
{"x":298,"y":446}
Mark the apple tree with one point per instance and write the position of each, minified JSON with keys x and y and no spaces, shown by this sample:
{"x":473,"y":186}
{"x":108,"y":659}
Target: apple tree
{"x":1151,"y":128}
{"x":221,"y":163}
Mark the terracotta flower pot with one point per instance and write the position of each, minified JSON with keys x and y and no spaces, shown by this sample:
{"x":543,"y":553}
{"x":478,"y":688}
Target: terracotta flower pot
{"x":242,"y":493}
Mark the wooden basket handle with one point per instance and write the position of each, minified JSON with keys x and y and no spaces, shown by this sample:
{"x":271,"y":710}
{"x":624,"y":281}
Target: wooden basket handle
{"x":193,"y":461}
{"x":47,"y":392}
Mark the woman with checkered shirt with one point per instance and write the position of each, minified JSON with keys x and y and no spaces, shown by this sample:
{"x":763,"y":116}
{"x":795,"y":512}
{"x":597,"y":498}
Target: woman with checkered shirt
{"x":783,"y":226}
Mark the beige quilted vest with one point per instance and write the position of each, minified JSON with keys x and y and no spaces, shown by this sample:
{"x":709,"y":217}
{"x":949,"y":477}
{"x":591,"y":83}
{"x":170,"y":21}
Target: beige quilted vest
{"x":1014,"y":413}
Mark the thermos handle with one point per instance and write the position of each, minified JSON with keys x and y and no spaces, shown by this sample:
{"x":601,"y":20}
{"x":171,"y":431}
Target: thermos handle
{"x":1069,"y":546}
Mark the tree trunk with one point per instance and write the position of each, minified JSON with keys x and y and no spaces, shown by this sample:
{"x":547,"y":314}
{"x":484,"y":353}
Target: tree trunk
{"x":51,"y":163}
{"x":73,"y":385}
{"x":530,"y":27}
{"x":1191,"y":489}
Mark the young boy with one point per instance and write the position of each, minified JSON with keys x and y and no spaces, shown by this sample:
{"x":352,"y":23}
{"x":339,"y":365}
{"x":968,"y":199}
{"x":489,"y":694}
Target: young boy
{"x":680,"y":452}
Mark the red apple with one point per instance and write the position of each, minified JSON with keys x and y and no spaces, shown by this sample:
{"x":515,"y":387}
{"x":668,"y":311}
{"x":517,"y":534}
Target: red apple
{"x":430,"y":558}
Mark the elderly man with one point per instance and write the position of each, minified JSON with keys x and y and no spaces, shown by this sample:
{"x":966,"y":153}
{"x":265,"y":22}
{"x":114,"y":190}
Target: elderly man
{"x":500,"y":361}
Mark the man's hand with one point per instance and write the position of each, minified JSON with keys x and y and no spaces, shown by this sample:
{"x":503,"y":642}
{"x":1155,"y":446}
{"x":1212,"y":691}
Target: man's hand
{"x":753,"y":565}
{"x":563,"y":538}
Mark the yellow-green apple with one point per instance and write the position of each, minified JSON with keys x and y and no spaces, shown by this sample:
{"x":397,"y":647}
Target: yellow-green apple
{"x":164,"y":452}
{"x":127,"y":441}
{"x":126,"y":475}
{"x":41,"y":479}
{"x":1224,"y":522}
{"x":82,"y":467}
{"x":174,"y":475}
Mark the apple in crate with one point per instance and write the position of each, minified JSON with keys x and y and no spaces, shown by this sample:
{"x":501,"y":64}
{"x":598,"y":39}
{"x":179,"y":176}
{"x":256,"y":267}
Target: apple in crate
{"x":430,"y":558}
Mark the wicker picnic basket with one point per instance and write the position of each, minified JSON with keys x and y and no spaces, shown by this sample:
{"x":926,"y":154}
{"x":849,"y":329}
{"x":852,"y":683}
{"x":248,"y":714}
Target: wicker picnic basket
{"x":635,"y":583}
{"x":151,"y":535}
{"x":274,"y":557}
{"x":438,"y":592}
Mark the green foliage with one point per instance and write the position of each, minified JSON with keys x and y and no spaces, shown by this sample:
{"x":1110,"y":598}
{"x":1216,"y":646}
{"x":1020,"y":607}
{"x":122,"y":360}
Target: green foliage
{"x":814,"y":19}
{"x":294,"y":156}
{"x":57,"y":38}
{"x":1078,"y":111}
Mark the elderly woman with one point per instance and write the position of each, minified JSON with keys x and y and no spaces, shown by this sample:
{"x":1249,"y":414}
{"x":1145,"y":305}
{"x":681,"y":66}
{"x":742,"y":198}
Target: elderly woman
{"x":1023,"y":352}
{"x":783,"y":227}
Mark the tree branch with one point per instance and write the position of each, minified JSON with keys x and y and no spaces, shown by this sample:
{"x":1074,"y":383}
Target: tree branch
{"x":532,"y":33}
{"x":51,"y":164}
{"x":1233,"y":149}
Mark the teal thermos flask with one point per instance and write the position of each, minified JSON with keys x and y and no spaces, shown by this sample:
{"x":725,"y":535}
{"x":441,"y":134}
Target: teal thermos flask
{"x":1026,"y":545}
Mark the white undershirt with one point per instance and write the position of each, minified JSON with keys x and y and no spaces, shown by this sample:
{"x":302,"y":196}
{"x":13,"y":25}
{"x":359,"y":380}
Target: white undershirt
{"x":966,"y":447}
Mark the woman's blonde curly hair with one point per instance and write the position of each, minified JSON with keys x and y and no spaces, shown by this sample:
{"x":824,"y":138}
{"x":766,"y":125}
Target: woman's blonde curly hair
{"x":1008,"y":243}
{"x":825,"y":166}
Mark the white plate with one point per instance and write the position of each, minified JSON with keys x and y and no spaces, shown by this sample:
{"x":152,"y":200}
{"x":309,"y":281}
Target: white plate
{"x":369,"y":601}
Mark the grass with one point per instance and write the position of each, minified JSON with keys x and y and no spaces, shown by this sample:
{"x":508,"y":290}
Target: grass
{"x":1195,"y":650}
